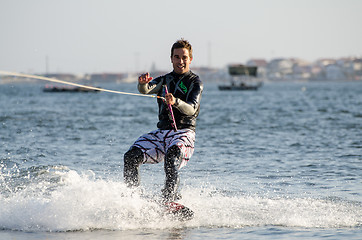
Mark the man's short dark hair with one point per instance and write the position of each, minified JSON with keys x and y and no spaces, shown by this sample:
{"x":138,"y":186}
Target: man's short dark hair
{"x":182,"y":43}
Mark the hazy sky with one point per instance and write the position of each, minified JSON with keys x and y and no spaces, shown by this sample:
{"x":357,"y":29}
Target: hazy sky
{"x":80,"y":36}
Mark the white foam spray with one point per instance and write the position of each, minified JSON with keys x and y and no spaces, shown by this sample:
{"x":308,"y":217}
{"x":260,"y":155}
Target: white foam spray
{"x":81,"y":202}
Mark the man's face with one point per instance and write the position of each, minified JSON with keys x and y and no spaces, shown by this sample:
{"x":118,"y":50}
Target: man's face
{"x":181,"y":60}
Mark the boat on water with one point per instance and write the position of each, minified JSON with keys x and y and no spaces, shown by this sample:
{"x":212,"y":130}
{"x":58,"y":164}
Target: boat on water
{"x":242,"y":78}
{"x":241,"y":86}
{"x":51,"y":88}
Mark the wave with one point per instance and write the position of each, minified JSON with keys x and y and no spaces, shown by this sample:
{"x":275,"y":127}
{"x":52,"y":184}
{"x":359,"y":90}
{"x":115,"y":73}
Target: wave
{"x":60,"y":199}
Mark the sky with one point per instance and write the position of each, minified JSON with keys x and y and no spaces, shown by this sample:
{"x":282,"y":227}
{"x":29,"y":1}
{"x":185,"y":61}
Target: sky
{"x":97,"y":36}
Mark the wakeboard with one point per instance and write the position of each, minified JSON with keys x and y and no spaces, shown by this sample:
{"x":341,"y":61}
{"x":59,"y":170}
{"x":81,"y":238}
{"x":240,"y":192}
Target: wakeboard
{"x":178,"y":211}
{"x":172,"y":209}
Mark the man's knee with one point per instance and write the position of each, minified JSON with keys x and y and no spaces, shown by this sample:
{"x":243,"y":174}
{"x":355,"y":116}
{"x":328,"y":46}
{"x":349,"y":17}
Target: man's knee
{"x":173,"y":158}
{"x":134,"y":156}
{"x":173,"y":152}
{"x":132,"y":160}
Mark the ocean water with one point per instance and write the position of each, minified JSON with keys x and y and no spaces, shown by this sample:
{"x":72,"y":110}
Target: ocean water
{"x":283,"y":162}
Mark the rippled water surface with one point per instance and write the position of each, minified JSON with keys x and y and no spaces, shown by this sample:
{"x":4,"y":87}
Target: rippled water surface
{"x":283,"y":162}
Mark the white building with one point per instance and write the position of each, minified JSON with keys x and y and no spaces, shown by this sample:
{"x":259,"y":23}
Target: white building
{"x":280,"y":69}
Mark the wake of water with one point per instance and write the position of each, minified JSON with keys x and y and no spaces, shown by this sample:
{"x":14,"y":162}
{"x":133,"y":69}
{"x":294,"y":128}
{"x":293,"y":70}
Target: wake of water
{"x":56,"y":198}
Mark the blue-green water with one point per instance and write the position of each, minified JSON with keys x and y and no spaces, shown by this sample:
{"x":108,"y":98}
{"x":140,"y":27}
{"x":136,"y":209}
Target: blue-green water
{"x":283,"y":162}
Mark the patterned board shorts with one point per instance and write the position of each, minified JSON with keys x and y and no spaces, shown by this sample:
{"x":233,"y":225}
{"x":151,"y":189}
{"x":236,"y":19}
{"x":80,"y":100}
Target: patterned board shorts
{"x":155,"y":144}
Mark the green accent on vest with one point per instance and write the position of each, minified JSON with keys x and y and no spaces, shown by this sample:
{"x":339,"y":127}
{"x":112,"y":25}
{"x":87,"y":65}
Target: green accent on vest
{"x":183,"y":87}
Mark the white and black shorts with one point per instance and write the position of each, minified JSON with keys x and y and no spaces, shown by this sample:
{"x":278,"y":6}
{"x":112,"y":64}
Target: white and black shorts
{"x":154,"y":145}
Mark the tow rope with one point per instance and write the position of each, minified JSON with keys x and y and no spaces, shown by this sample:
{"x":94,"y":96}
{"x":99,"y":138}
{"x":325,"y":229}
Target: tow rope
{"x":74,"y":84}
{"x":171,"y":112}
